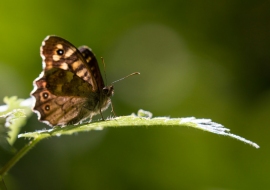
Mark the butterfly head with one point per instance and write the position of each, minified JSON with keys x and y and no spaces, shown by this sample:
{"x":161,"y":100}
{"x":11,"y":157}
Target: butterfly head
{"x":108,"y":90}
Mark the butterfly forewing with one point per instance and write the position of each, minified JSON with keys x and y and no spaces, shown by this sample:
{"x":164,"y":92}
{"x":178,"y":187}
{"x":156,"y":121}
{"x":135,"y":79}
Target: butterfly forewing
{"x":56,"y":52}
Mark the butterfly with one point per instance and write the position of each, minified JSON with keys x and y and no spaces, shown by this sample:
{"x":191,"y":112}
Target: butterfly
{"x":70,"y":89}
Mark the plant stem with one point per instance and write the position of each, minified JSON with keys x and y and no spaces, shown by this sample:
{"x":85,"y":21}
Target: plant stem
{"x":18,"y":156}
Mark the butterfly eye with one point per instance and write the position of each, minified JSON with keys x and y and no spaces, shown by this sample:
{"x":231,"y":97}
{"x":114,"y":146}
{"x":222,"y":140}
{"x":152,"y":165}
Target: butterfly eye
{"x":105,"y":90}
{"x":60,"y":52}
{"x":108,"y":90}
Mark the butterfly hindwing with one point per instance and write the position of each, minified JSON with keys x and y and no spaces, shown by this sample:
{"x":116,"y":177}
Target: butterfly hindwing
{"x":92,"y":63}
{"x":63,"y":98}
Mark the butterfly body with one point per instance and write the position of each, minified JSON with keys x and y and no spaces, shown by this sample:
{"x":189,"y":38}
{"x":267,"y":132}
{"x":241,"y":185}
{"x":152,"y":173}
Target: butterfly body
{"x":70,"y":89}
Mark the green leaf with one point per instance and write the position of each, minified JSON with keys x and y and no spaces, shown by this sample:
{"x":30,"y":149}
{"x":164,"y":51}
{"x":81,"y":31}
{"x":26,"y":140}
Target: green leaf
{"x":4,"y":135}
{"x":142,"y":119}
{"x":12,"y":118}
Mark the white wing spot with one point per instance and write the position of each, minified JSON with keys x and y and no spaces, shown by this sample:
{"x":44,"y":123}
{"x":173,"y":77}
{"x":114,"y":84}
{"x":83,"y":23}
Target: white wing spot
{"x":75,"y":65}
{"x":56,"y":57}
{"x":69,"y":53}
{"x":88,"y":59}
{"x":59,"y":46}
{"x":81,"y":72}
{"x":64,"y":66}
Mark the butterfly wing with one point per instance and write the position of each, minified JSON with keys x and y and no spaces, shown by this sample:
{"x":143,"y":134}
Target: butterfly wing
{"x":57,"y":52}
{"x":58,"y":102}
{"x":66,"y":92}
{"x":92,"y":63}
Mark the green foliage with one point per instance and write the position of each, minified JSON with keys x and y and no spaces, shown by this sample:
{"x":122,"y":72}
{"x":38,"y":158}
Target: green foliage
{"x":12,"y":118}
{"x":142,"y":119}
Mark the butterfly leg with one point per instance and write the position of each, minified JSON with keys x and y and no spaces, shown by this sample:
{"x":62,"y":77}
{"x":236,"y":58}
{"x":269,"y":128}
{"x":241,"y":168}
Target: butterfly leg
{"x":113,"y":110}
{"x":101,"y":114}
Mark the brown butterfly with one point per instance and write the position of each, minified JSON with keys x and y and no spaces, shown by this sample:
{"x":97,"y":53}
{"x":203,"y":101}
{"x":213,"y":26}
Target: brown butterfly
{"x":70,"y":89}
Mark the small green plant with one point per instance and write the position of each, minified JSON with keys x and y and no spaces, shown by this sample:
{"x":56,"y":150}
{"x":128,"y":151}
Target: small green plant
{"x":14,"y":114}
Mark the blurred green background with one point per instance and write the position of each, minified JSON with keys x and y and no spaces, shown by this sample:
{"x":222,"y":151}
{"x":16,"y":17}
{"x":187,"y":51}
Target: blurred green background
{"x":208,"y":59}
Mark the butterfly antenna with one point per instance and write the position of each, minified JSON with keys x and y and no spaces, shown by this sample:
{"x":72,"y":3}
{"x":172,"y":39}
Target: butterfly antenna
{"x":136,"y":73}
{"x":103,"y":62}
